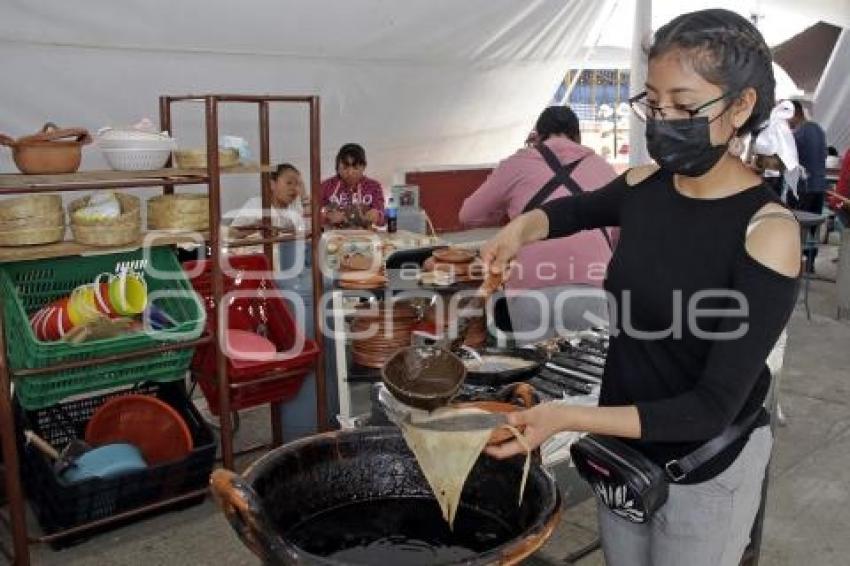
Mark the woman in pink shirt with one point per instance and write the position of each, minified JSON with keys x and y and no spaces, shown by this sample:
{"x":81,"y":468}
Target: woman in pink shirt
{"x":560,"y":280}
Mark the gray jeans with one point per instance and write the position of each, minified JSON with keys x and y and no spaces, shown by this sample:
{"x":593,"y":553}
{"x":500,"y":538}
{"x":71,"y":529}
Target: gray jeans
{"x":538,"y":314}
{"x":704,"y":524}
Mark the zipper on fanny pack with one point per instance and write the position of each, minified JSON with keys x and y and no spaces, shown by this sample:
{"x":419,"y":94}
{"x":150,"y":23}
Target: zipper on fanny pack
{"x":619,"y":459}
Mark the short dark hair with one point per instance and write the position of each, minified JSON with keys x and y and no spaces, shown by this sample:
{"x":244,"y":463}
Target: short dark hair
{"x":351,"y":153}
{"x":798,"y":109}
{"x":278,"y":171}
{"x":558,"y":120}
{"x":831,"y":150}
{"x":727,"y":50}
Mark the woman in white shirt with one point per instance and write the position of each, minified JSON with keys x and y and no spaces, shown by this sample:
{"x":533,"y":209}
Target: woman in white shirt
{"x":286,"y":208}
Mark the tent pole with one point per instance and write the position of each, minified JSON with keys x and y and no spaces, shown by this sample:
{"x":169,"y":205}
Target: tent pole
{"x":637,"y":129}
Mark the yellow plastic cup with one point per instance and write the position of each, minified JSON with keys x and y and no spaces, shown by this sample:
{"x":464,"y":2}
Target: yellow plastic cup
{"x":81,"y":305}
{"x":128,"y":294}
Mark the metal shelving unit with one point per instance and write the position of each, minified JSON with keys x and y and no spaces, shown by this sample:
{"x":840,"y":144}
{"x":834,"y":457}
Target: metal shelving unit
{"x":166,"y":178}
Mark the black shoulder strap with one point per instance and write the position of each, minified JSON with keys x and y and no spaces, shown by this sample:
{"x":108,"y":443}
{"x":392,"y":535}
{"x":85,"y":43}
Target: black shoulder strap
{"x":562,"y":176}
{"x":554,"y":163}
{"x":678,"y":469}
{"x":561,"y":171}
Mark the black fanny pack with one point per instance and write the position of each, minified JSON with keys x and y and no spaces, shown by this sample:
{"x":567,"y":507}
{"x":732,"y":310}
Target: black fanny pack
{"x":631,"y":485}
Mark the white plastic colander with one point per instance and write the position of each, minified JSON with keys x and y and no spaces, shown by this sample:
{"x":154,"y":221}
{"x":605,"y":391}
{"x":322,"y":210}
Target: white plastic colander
{"x":136,"y":159}
{"x":137,"y":148}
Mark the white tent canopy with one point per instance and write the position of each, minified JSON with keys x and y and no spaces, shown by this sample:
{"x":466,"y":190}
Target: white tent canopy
{"x":832,"y":98}
{"x":418,"y":82}
{"x":778,"y":20}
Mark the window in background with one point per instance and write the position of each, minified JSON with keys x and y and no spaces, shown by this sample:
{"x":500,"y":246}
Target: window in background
{"x":600,"y":100}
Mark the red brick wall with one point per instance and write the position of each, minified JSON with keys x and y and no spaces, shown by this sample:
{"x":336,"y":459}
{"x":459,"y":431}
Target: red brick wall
{"x":441,"y":193}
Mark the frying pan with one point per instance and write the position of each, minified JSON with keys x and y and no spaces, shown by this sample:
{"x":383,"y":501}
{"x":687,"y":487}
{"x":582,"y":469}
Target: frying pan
{"x":497,"y":378}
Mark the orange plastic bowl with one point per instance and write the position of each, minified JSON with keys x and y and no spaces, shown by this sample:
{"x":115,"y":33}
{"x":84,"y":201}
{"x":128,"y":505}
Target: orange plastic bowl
{"x":153,"y":426}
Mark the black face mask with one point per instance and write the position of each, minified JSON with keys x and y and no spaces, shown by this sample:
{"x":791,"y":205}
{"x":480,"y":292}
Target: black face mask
{"x":683,"y":146}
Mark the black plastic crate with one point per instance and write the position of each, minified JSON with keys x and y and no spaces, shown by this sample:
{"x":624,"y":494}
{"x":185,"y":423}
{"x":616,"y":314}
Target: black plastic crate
{"x":60,"y":505}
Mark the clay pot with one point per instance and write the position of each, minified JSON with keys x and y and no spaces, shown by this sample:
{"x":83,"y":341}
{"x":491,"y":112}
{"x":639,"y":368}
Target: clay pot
{"x":50,"y":151}
{"x":305,"y":478}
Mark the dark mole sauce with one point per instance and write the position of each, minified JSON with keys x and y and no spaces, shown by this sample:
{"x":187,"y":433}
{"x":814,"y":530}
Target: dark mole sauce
{"x":398,"y":531}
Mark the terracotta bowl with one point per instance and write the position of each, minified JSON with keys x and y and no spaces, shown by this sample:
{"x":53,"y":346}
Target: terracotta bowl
{"x":522,"y":393}
{"x":453,"y":255}
{"x":425,"y":377}
{"x":356,"y":262}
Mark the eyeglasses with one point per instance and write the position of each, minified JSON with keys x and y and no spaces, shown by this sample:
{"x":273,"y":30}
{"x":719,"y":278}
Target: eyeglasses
{"x":646,"y":111}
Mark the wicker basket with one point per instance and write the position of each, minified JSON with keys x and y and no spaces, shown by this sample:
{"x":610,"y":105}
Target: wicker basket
{"x":31,"y":220}
{"x":33,"y":236}
{"x":30,"y":206}
{"x":179,"y":212}
{"x":48,"y":220}
{"x":124,"y":229}
{"x":197,"y":158}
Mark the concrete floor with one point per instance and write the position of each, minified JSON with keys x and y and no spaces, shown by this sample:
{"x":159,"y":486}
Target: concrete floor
{"x":808,"y":509}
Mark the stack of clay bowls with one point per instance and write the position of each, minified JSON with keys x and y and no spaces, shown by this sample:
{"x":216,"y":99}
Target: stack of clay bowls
{"x":476,"y":330}
{"x":359,"y":271}
{"x":31,"y":220}
{"x":476,"y":333}
{"x":385,"y":328}
{"x":454,"y":265}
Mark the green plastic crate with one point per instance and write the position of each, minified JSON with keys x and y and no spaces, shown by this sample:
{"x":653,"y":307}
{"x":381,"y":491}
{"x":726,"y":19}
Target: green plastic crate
{"x":28,"y":286}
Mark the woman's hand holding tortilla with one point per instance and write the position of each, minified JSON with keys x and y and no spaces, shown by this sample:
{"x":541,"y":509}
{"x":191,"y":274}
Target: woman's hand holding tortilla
{"x":540,"y":422}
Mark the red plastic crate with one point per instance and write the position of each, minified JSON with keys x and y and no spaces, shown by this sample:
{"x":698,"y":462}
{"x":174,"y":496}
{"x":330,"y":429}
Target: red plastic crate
{"x":278,"y":391}
{"x":264,"y":309}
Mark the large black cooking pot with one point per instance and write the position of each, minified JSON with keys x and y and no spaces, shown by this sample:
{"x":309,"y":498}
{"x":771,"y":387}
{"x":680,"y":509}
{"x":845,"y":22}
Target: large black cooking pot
{"x":270,"y":504}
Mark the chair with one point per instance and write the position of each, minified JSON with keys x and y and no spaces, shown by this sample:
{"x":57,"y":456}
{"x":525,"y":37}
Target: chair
{"x":809,"y":222}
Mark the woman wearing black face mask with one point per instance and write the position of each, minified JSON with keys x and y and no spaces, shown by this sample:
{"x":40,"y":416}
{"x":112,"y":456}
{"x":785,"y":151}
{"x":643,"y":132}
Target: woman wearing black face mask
{"x":699,"y":231}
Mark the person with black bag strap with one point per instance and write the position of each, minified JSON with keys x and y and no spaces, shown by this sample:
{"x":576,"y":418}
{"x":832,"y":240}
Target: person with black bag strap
{"x":558,"y":166}
{"x":702,"y":283}
{"x":562,"y":177}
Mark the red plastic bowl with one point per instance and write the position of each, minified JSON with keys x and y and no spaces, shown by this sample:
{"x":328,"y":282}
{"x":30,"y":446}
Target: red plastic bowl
{"x":153,"y":426}
{"x":244,"y":348}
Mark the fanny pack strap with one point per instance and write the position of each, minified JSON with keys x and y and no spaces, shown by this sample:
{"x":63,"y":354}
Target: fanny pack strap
{"x":677,"y":470}
{"x":562,"y":176}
